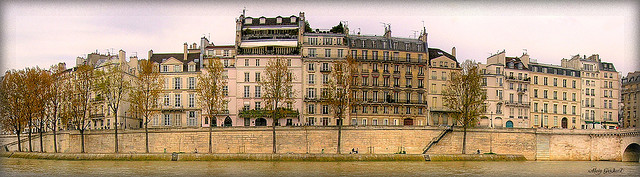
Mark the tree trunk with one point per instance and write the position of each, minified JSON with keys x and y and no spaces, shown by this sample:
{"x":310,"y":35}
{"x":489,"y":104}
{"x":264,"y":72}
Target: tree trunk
{"x":339,"y":134}
{"x":115,"y":113}
{"x":210,"y":129}
{"x":82,"y":140}
{"x":274,"y":132}
{"x":19,"y":144}
{"x":40,"y":131}
{"x":146,"y":136}
{"x":464,"y":140}
{"x":55,"y":140}
{"x":30,"y":149}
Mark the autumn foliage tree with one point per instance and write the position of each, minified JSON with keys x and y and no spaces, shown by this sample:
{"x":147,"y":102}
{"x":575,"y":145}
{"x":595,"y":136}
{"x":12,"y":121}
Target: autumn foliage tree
{"x":465,"y":97}
{"x":144,"y":98}
{"x":112,"y":84}
{"x":11,"y":101}
{"x":79,"y":107}
{"x":278,"y":91}
{"x":57,"y":96}
{"x":340,"y":93}
{"x":210,"y":92}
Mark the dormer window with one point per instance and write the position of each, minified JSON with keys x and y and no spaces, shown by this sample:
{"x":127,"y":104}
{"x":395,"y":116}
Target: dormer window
{"x":293,"y":19}
{"x":176,"y":68}
{"x":262,"y":20}
{"x":192,"y":68}
{"x":248,"y":21}
{"x":279,"y":20}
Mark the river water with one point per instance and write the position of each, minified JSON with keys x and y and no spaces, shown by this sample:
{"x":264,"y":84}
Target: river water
{"x":31,"y":167}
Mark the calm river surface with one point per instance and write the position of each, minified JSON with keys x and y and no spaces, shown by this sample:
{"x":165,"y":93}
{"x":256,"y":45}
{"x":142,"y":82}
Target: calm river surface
{"x":30,"y":167}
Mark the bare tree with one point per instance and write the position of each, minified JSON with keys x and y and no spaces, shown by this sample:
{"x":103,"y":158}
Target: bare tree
{"x":144,"y":98}
{"x":57,"y":94}
{"x":11,"y":103}
{"x":340,"y":93}
{"x":278,"y":90}
{"x":210,"y":92}
{"x":465,"y":97}
{"x":79,"y":107}
{"x":113,"y":86}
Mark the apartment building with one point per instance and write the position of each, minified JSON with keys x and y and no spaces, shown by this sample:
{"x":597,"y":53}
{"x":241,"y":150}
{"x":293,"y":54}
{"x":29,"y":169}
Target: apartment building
{"x":556,"y":96}
{"x":259,"y":40}
{"x":225,"y":53}
{"x":440,"y":66}
{"x":506,"y":82}
{"x":631,"y":100}
{"x":320,"y":49}
{"x":389,"y":86}
{"x":600,"y":92}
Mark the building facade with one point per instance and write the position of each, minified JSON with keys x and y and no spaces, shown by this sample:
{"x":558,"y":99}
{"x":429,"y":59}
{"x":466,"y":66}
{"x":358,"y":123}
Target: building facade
{"x":631,"y":100}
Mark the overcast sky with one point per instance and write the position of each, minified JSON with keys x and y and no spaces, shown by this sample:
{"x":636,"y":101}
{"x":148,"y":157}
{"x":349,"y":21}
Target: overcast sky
{"x":45,"y":33}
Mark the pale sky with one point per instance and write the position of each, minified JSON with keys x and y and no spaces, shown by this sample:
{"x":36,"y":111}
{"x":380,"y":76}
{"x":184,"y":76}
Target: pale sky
{"x":45,"y":33}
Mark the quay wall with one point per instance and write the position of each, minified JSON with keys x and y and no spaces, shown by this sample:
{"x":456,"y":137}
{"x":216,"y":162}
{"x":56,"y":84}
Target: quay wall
{"x":533,"y":144}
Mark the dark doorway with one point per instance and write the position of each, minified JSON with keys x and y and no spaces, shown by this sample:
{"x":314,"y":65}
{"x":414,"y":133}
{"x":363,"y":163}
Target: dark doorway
{"x":227,"y":122}
{"x":408,"y":122}
{"x":214,"y":122}
{"x":261,"y":122}
{"x":564,"y":122}
{"x":631,"y":153}
{"x":338,"y":121}
{"x":289,"y":122}
{"x":509,"y":124}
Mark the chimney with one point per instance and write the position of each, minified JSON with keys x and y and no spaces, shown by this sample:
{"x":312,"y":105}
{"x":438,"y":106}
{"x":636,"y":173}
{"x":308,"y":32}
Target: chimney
{"x":453,"y":51}
{"x":525,"y":59}
{"x":186,"y":51}
{"x":387,"y":31}
{"x":423,"y":35}
{"x":121,"y":55}
{"x":150,"y":54}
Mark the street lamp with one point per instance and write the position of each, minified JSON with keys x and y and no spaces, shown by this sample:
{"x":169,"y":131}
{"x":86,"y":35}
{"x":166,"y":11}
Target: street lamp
{"x":491,"y":134}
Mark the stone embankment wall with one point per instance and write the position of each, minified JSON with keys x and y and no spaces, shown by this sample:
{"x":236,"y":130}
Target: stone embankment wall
{"x":533,"y":144}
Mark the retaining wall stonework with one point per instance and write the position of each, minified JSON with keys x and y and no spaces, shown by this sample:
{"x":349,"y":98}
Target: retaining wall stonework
{"x":563,"y":144}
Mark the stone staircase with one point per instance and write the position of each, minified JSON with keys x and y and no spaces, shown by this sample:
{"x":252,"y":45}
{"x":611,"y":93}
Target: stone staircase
{"x":542,"y":148}
{"x":436,"y":139}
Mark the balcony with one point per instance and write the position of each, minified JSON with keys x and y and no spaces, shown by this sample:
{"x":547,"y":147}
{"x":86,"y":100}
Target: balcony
{"x":222,"y":112}
{"x":325,"y":69}
{"x":517,"y":103}
{"x":515,"y":79}
{"x":522,"y":90}
{"x":94,"y":116}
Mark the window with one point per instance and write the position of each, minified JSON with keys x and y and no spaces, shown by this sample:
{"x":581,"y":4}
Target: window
{"x":311,"y":109}
{"x":312,"y":52}
{"x":325,"y":79}
{"x":178,"y":120}
{"x":311,"y":93}
{"x":167,"y":120}
{"x":555,"y":82}
{"x":257,"y":77}
{"x":327,"y":53}
{"x":246,"y":77}
{"x":176,"y":68}
{"x":340,"y":52}
{"x":535,"y":79}
{"x":192,"y":82}
{"x":312,"y":79}
{"x":535,"y":93}
{"x":311,"y":67}
{"x":246,"y":91}
{"x":258,"y":105}
{"x":258,"y":94}
{"x":246,"y":62}
{"x":178,"y":100}
{"x":166,"y":100}
{"x":177,"y":82}
{"x":192,"y":100}
{"x":192,"y":68}
{"x":165,"y":68}
{"x":573,"y":84}
{"x":225,"y":90}
{"x":191,"y":121}
{"x":544,"y":93}
{"x":325,"y":109}
{"x":257,"y":62}
{"x":545,"y":81}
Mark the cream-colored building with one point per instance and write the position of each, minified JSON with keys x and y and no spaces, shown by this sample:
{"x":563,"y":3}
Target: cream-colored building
{"x":390,"y":86}
{"x":600,"y":93}
{"x":259,"y":40}
{"x":555,"y":97}
{"x":506,"y":82}
{"x":631,"y":100}
{"x":320,"y":49}
{"x":440,"y":66}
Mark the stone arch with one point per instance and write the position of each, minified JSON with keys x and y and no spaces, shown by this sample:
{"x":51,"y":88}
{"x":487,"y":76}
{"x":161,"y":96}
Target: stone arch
{"x":565,"y":122}
{"x":631,"y":153}
{"x":227,"y":122}
{"x":261,"y":122}
{"x":509,"y":124}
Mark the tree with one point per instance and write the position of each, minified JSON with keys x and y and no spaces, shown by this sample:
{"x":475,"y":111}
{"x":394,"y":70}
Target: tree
{"x":340,"y":92}
{"x":338,"y":28}
{"x":278,"y":90}
{"x":144,"y":99}
{"x":43,"y":81}
{"x":12,"y":101}
{"x":465,"y":97}
{"x":32,"y":106}
{"x":79,"y":107}
{"x":57,"y":92}
{"x":113,"y":86}
{"x":210,"y":92}
{"x":307,"y":28}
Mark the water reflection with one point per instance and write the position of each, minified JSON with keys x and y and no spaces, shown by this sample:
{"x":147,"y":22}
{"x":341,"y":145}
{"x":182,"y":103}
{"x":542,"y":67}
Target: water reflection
{"x":29,"y":167}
